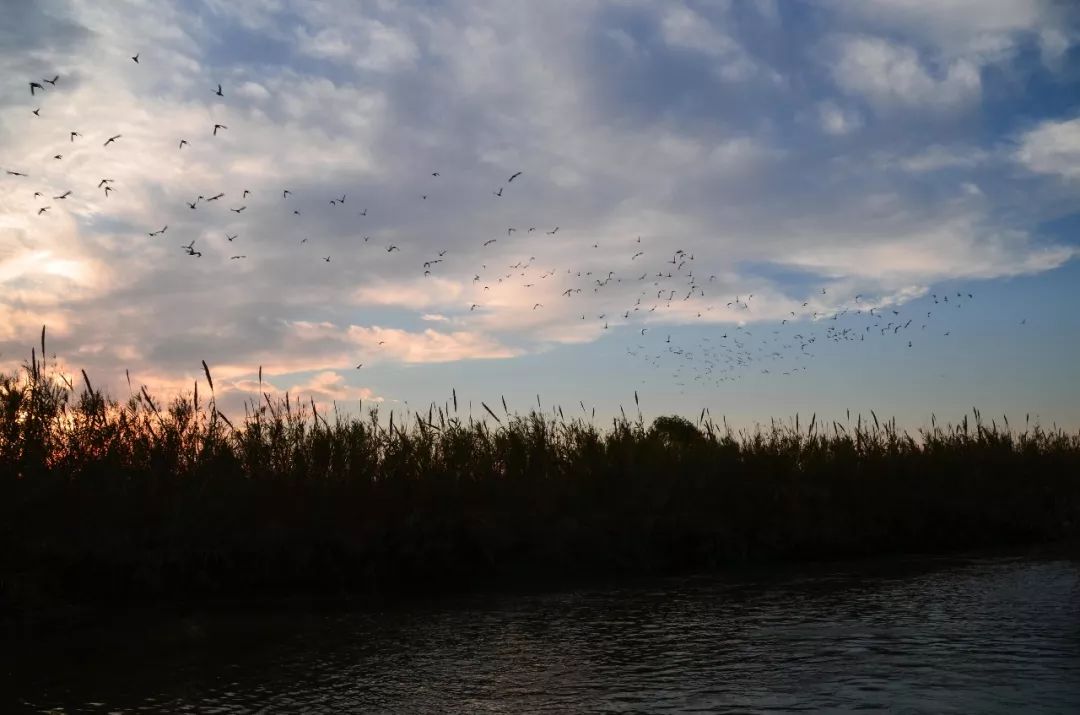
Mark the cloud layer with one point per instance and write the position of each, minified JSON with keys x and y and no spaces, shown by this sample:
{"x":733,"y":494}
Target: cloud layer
{"x":824,"y":139}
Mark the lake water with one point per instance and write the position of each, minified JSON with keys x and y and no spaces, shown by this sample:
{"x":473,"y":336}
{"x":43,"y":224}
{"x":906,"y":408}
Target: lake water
{"x":965,"y":635}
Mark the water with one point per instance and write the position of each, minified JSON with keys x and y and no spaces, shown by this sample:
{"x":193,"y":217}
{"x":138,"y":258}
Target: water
{"x":950,"y":635}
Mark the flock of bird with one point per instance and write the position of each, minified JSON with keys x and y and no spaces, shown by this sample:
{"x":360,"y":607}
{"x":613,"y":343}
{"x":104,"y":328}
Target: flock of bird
{"x":668,"y":283}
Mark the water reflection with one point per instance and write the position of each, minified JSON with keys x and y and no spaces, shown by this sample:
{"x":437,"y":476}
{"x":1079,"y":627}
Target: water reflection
{"x":986,"y":635}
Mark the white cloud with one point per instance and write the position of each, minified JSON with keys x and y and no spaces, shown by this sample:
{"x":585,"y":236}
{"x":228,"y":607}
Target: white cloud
{"x":837,"y":121}
{"x":1052,"y":148}
{"x":937,"y":157}
{"x":890,"y":75}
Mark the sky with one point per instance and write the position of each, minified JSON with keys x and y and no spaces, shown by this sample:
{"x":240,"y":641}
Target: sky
{"x":712,"y":198}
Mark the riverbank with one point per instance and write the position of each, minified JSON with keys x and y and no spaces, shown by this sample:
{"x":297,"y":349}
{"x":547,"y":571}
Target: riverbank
{"x":106,"y":505}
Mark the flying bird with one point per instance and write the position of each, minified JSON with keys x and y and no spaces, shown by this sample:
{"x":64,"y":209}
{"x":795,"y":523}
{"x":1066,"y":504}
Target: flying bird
{"x":158,"y":233}
{"x":135,"y":58}
{"x":327,"y":259}
{"x":103,"y":182}
{"x":15,"y":173}
{"x":285,"y":194}
{"x":513,"y":177}
{"x":63,"y":195}
{"x":219,"y":126}
{"x":230,"y":239}
{"x":52,"y":81}
{"x":552,"y":231}
{"x":182,"y":143}
{"x":35,"y":85}
{"x":238,"y":210}
{"x":435,"y":173}
{"x":233,"y":258}
{"x":42,"y":210}
{"x":489,"y":242}
{"x":75,"y":134}
{"x":36,"y":112}
{"x":499,"y":192}
{"x":215,"y":197}
{"x":218,"y":92}
{"x":110,"y":140}
{"x":393,"y":248}
{"x":246,"y":192}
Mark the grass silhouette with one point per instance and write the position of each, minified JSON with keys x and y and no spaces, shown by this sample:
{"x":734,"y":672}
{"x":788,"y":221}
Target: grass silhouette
{"x":103,"y":502}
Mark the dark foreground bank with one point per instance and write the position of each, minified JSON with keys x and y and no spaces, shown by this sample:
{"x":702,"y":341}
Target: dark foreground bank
{"x":106,"y":504}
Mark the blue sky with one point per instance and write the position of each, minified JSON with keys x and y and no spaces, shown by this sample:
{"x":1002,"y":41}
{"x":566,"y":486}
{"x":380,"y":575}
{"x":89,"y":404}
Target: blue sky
{"x":844,"y":155}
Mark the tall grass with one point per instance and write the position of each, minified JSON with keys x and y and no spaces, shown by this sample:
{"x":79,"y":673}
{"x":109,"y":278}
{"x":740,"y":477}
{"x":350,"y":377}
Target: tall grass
{"x":106,"y":501}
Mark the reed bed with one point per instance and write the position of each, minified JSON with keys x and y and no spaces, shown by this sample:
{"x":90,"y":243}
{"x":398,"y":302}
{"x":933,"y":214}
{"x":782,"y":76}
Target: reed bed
{"x":105,"y":502}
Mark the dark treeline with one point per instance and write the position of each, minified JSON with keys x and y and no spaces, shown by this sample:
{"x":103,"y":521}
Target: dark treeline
{"x":113,"y":503}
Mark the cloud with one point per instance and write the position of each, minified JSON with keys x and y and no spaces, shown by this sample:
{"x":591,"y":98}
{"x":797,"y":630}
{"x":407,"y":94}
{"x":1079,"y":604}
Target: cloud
{"x":837,"y":121}
{"x":937,"y":157}
{"x":890,"y":75}
{"x":1053,"y":147}
{"x":428,"y":346}
{"x":641,"y":129}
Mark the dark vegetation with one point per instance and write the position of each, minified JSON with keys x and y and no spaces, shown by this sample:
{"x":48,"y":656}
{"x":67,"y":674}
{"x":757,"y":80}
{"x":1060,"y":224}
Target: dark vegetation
{"x":105,"y":503}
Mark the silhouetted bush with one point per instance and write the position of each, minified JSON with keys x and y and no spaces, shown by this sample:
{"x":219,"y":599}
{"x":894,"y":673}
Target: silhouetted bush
{"x":103,"y":502}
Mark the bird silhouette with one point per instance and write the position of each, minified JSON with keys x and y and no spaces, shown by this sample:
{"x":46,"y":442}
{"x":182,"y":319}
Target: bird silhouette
{"x":182,"y":143}
{"x":219,"y":92}
{"x":111,"y":139}
{"x":75,"y":134}
{"x":63,"y":195}
{"x":34,"y":86}
{"x":499,"y":192}
{"x":219,"y":126}
{"x":135,"y":58}
{"x":36,"y":112}
{"x":52,"y":81}
{"x":513,"y":176}
{"x":230,"y":239}
{"x":15,"y":173}
{"x":238,"y":210}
